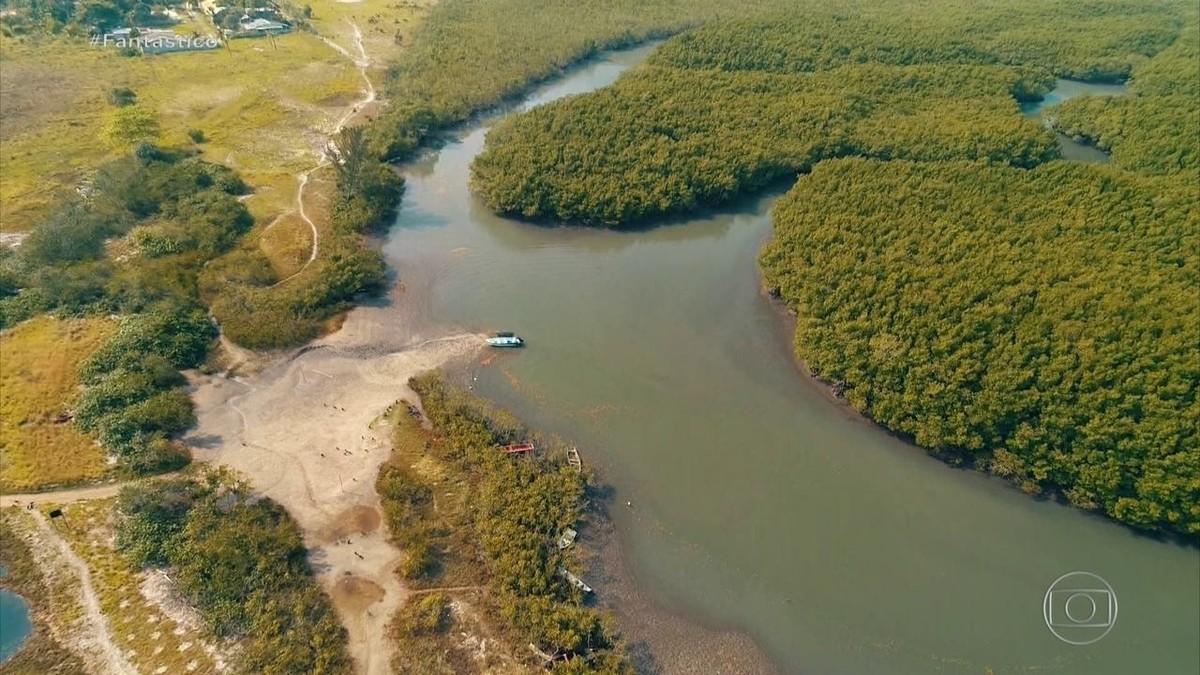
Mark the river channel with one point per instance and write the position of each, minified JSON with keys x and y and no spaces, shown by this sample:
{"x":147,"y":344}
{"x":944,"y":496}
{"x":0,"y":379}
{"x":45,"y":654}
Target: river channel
{"x":760,"y":503}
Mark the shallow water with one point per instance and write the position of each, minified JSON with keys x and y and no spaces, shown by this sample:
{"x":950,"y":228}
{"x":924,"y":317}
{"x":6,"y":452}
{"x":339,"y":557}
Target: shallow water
{"x":1067,"y":89}
{"x":758,"y":502}
{"x":15,"y":625}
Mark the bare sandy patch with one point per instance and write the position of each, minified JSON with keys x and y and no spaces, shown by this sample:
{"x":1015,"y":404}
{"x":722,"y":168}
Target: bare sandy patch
{"x":306,"y":431}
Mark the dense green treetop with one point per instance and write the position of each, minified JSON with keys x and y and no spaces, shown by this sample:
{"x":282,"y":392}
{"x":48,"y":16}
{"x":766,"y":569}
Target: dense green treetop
{"x":1043,"y":318}
{"x":728,"y":107}
{"x":1094,"y":40}
{"x":668,"y":140}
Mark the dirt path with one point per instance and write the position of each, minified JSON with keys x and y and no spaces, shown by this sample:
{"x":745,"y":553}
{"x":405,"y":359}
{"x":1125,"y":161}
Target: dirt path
{"x":63,"y":496}
{"x":97,"y":624}
{"x":352,"y":110}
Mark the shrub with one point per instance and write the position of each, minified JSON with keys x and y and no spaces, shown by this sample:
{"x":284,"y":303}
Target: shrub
{"x":421,"y":560}
{"x":121,"y":97}
{"x":243,"y":564}
{"x":177,"y":332}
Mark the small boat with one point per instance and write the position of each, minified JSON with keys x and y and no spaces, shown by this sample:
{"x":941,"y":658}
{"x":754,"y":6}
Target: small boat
{"x":517,"y":448}
{"x":505,"y":340}
{"x":567,"y":539}
{"x":574,"y":580}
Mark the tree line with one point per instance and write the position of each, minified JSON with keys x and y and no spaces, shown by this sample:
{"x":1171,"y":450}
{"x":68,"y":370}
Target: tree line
{"x":667,"y":140}
{"x":733,"y":105}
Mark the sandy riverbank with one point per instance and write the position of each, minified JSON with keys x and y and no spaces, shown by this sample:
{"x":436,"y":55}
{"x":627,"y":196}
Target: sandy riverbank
{"x":301,"y":431}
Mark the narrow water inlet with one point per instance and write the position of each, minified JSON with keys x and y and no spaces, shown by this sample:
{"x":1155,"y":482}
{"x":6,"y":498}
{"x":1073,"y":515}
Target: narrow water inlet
{"x":1065,"y":90}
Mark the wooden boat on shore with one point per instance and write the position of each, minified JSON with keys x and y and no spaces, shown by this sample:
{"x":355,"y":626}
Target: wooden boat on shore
{"x":505,"y":340}
{"x":517,"y":448}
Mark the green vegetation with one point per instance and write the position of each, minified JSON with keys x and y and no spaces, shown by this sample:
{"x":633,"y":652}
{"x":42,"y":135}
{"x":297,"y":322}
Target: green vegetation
{"x":41,"y":653}
{"x":128,"y":126}
{"x":666,"y":140}
{"x":135,"y":401}
{"x":179,"y":213}
{"x":731,"y":106}
{"x":241,"y":561}
{"x":495,"y":523}
{"x":256,"y":310}
{"x":1154,"y":131}
{"x":184,"y":209}
{"x":469,"y":55}
{"x":1040,"y":318}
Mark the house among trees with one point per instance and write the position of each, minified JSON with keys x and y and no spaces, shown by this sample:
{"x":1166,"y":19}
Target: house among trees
{"x":248,"y":21}
{"x":259,"y":26}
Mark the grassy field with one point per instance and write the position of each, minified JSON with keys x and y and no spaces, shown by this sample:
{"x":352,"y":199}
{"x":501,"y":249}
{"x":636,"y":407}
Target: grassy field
{"x":38,"y":381}
{"x":386,"y":25}
{"x":150,"y":640}
{"x":264,"y":109}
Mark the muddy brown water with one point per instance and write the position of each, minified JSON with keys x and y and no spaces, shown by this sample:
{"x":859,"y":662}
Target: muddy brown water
{"x":759,"y":503}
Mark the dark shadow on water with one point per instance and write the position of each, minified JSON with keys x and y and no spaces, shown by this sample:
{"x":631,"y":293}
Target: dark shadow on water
{"x":643,"y":659}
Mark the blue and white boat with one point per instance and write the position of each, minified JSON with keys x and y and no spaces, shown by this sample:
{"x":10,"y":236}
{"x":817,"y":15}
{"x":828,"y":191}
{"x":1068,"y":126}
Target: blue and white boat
{"x":505,"y":340}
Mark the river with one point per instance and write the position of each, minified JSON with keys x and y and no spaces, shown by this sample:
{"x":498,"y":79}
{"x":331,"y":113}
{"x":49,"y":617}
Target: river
{"x":760,"y":503}
{"x":1064,"y":89}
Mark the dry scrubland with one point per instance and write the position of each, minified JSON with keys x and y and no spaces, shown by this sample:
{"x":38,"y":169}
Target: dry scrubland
{"x":266,"y":109}
{"x":261,"y":109}
{"x":38,"y":382}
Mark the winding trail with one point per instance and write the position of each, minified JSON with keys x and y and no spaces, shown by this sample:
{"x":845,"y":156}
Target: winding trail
{"x":97,"y":623}
{"x":362,"y":62}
